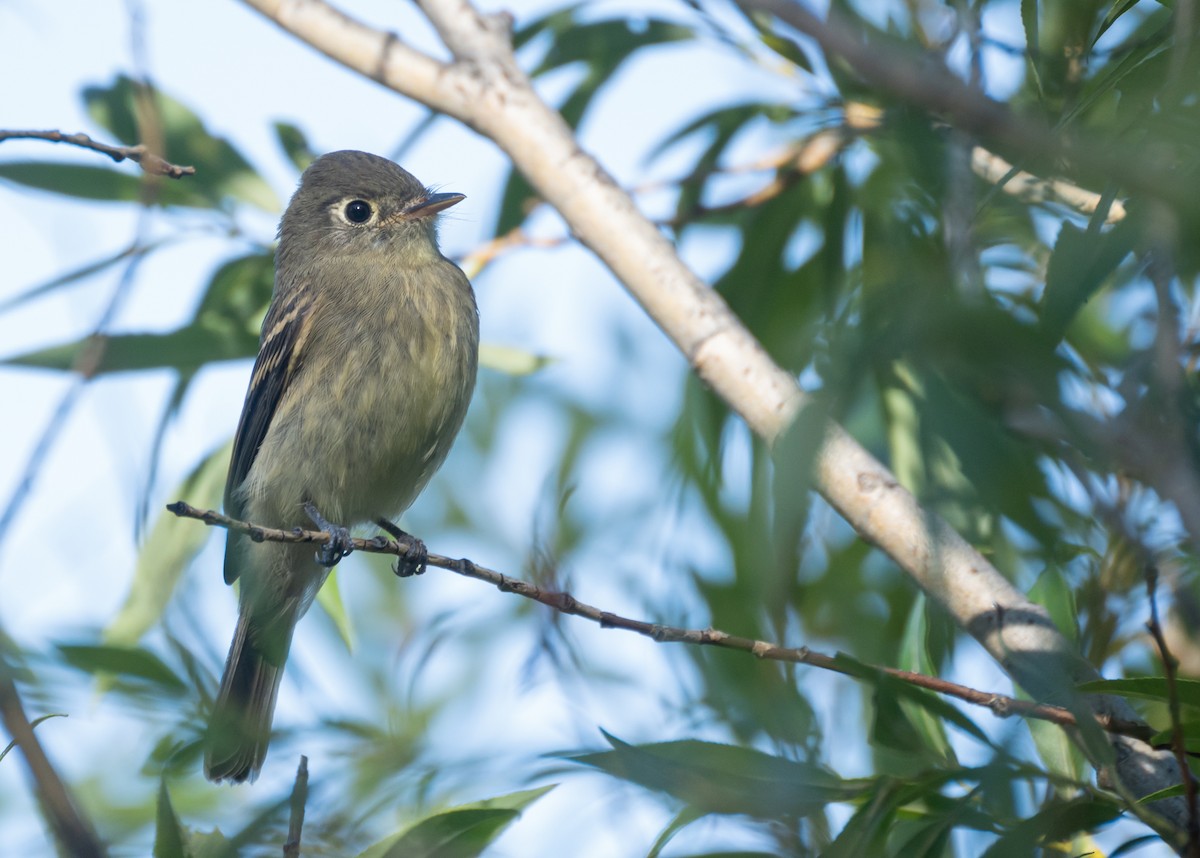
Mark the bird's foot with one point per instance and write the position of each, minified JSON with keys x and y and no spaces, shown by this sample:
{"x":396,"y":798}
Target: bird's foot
{"x":415,"y":557}
{"x":338,"y":545}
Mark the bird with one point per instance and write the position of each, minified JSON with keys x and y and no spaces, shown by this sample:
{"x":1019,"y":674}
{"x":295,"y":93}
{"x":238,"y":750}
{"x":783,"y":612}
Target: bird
{"x":366,"y":365}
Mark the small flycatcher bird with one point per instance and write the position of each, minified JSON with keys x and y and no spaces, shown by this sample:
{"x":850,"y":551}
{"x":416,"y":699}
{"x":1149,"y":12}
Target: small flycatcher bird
{"x":365,"y":368}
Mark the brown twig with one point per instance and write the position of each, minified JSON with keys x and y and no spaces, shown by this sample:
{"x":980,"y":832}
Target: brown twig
{"x":150,"y":162}
{"x":72,"y":830}
{"x":999,"y":704}
{"x":1178,"y":744}
{"x":291,"y":849}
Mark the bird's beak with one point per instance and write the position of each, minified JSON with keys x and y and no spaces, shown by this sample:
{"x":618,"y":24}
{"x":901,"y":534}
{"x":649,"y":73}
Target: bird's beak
{"x":432,"y":204}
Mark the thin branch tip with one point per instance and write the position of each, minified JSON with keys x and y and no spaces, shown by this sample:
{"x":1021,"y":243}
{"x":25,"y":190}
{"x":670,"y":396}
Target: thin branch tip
{"x":150,"y":162}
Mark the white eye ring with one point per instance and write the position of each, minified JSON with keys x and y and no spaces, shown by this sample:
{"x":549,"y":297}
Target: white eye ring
{"x":358,"y":212}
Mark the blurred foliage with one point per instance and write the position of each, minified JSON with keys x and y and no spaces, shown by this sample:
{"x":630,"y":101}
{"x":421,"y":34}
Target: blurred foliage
{"x":1027,"y":369}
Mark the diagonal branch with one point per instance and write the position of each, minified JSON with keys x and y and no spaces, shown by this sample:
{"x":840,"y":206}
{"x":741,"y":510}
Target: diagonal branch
{"x":484,"y":88}
{"x":71,"y":829}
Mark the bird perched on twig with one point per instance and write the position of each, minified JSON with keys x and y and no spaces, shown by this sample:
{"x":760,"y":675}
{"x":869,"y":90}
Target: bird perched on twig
{"x":365,"y":368}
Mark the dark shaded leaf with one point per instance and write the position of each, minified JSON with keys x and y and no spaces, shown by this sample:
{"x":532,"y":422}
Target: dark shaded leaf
{"x":88,"y":182}
{"x":1081,"y":263}
{"x":602,"y":47}
{"x":890,"y":688}
{"x":129,"y":662}
{"x":294,"y":144}
{"x":1147,"y":688}
{"x":1059,"y":821}
{"x":724,"y":778}
{"x":187,"y":350}
{"x":168,"y":833}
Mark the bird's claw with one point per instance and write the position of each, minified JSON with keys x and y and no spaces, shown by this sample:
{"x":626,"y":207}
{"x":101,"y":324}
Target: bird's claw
{"x":415,"y":558}
{"x":339,"y":543}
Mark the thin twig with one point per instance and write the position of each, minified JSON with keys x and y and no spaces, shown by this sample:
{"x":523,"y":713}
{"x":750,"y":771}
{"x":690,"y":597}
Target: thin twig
{"x":154,"y":165}
{"x":85,"y":366}
{"x":74,"y":832}
{"x":1178,"y":743}
{"x":999,"y":704}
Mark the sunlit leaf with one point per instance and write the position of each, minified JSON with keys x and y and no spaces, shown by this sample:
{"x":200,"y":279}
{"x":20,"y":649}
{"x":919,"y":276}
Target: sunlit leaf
{"x":511,"y":360}
{"x":460,"y":832}
{"x":168,"y":551}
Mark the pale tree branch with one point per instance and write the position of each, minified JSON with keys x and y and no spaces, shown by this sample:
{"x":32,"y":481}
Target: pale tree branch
{"x":484,"y":88}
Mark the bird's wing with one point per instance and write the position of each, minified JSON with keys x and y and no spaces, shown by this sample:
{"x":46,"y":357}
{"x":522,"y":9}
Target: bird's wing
{"x":280,"y":355}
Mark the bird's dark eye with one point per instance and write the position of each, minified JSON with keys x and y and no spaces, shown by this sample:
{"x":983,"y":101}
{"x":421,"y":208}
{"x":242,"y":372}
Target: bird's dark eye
{"x":358,"y":211}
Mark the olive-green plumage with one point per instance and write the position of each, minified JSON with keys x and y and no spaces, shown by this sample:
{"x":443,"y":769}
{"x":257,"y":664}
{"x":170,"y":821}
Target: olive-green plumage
{"x":365,"y":369}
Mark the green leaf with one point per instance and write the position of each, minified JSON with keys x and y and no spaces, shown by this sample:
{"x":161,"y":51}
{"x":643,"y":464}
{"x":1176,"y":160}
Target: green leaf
{"x":168,"y":551}
{"x":168,"y":833}
{"x":719,"y":127}
{"x":1191,"y":737}
{"x":1029,"y":20}
{"x":123,"y":661}
{"x":1059,"y":821}
{"x":1053,"y":593}
{"x":237,"y":296}
{"x":601,"y":47}
{"x":890,"y":688}
{"x":914,"y":657}
{"x":88,"y":182}
{"x":511,"y":360}
{"x":681,"y":821}
{"x":460,"y":832}
{"x":1169,"y":792}
{"x":1080,"y":264}
{"x":225,"y":328}
{"x":1147,"y":688}
{"x":34,"y":723}
{"x":295,"y":145}
{"x":717,"y":778}
{"x":1144,"y":48}
{"x":1058,"y":753}
{"x":1118,"y":8}
{"x":329,"y":597}
{"x":223,"y":176}
{"x":187,"y":349}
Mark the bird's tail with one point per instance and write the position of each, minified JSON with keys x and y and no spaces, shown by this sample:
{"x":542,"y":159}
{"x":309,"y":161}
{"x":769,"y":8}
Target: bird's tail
{"x":240,"y":728}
